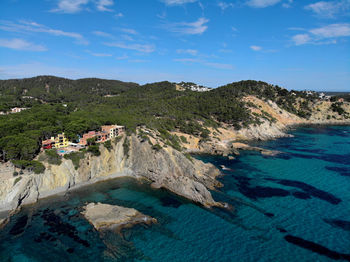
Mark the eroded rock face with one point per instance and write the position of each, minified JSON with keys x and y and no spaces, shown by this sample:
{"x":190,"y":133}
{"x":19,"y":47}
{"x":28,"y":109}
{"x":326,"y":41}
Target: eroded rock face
{"x":104,"y":216}
{"x":166,"y":168}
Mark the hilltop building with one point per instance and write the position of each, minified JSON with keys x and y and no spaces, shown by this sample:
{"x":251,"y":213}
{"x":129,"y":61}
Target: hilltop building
{"x":17,"y":109}
{"x":55,"y":142}
{"x":113,"y":130}
{"x":60,"y":141}
{"x":107,"y":132}
{"x":99,"y":136}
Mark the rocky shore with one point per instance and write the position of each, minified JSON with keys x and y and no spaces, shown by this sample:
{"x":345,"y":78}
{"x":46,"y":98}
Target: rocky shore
{"x":113,"y":217}
{"x":163,"y":168}
{"x":166,"y":168}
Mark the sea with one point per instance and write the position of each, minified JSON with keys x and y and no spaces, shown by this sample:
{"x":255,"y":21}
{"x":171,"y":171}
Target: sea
{"x":294,"y":206}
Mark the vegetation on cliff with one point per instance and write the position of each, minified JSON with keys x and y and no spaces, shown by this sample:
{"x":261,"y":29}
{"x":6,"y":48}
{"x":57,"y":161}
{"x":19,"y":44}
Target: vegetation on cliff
{"x":76,"y":106}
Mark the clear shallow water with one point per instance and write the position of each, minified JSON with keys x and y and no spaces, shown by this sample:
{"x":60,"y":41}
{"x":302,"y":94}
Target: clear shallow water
{"x":292,"y":207}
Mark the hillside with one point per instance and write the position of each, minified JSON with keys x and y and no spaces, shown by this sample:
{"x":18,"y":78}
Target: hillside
{"x":77,"y":106}
{"x":51,"y":89}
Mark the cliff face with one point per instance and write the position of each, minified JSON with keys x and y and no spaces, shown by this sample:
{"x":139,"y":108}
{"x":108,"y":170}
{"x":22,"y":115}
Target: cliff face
{"x":221,"y":139}
{"x":165,"y":168}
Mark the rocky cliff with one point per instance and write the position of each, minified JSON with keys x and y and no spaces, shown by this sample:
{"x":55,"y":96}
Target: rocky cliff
{"x":165,"y":168}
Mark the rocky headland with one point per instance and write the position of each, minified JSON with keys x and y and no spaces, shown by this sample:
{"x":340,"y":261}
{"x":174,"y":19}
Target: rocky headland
{"x":163,"y":167}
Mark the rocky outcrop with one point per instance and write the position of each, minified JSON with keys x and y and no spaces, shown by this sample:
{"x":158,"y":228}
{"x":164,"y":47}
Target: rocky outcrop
{"x":166,"y":168}
{"x":104,"y":216}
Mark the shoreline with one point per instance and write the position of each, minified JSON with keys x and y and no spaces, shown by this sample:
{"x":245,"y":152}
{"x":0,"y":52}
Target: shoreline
{"x":5,"y":214}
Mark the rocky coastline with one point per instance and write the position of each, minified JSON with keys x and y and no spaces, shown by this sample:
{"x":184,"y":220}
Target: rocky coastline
{"x":164,"y":168}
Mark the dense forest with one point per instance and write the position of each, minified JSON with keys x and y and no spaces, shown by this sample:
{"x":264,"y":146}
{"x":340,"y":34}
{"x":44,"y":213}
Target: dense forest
{"x":75,"y":106}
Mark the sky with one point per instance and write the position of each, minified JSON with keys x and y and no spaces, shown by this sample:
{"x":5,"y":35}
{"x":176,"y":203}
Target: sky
{"x":301,"y":45}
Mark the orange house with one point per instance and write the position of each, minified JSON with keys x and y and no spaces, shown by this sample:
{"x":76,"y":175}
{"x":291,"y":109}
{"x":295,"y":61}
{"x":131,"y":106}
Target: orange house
{"x":99,"y":136}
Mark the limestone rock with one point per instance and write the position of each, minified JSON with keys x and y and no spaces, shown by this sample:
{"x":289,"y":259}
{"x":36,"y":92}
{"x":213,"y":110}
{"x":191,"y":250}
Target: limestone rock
{"x":104,"y":216}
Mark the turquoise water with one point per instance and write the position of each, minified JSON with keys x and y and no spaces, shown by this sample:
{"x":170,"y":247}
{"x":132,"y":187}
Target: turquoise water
{"x":291,"y":207}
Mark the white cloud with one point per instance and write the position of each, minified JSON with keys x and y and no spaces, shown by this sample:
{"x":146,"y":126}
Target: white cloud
{"x":329,"y":9}
{"x":177,"y":2}
{"x":288,"y":4}
{"x":119,"y":15}
{"x":255,"y":48}
{"x":102,"y":5}
{"x":331,"y":31}
{"x":129,"y":31}
{"x":144,"y":48}
{"x":195,"y":28}
{"x":262,"y":3}
{"x":29,"y":26}
{"x":75,"y":6}
{"x":103,"y":34}
{"x":187,"y":51}
{"x":301,"y":39}
{"x":224,"y":5}
{"x":98,"y":54}
{"x":20,"y":44}
{"x":70,"y":6}
{"x":187,"y":60}
{"x":323,"y":35}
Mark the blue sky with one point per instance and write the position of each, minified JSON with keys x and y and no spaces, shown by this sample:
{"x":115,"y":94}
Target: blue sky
{"x":295,"y":44}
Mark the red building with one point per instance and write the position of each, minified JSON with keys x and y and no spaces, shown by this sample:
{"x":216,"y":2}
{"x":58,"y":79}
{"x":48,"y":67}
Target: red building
{"x":48,"y":144}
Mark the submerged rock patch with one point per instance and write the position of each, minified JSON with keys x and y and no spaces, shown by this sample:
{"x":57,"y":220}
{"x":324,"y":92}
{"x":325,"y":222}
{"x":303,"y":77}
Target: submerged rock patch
{"x":316,"y":248}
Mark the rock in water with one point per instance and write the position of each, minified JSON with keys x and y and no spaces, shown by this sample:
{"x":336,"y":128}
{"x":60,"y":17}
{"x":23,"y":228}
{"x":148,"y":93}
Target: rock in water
{"x":104,"y":216}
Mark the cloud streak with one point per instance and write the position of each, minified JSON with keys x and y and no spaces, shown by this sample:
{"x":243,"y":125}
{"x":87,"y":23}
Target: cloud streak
{"x":177,"y":2}
{"x":255,"y":47}
{"x":29,"y":26}
{"x":20,"y":44}
{"x":143,"y":48}
{"x":262,"y":3}
{"x":189,"y":28}
{"x":76,"y":6}
{"x":329,"y":9}
{"x":187,"y":51}
{"x":323,"y":35}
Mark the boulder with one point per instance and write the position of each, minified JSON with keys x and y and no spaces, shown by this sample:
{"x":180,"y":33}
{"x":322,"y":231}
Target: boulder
{"x":105,"y":216}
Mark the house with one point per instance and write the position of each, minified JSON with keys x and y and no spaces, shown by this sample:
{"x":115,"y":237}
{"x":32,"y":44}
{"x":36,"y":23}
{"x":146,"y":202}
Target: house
{"x":99,"y":137}
{"x":17,"y":109}
{"x":113,"y":130}
{"x":60,"y":141}
{"x":48,"y":144}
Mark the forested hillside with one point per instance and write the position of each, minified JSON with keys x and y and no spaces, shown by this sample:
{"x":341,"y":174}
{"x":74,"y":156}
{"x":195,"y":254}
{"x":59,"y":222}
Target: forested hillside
{"x":75,"y":106}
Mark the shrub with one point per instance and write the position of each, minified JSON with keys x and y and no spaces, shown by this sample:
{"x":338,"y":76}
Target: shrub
{"x":35,"y":166}
{"x":117,"y":139}
{"x":183,"y":139}
{"x":108,"y":145}
{"x":75,"y":157}
{"x":157,"y":147}
{"x":188,"y":156}
{"x":15,"y":173}
{"x":91,"y":141}
{"x":17,"y":180}
{"x":52,"y":157}
{"x":94,"y":149}
{"x":126,"y":147}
